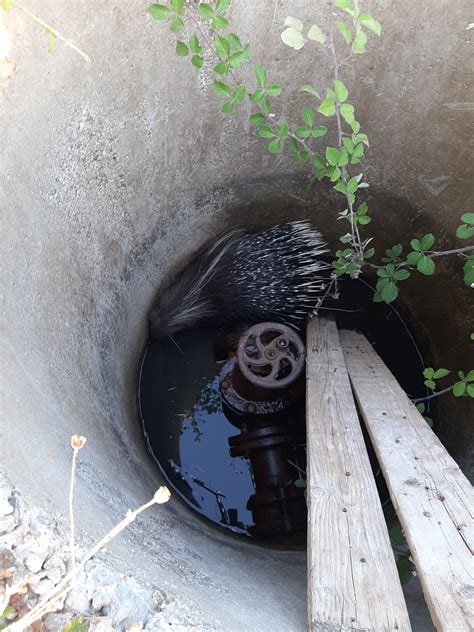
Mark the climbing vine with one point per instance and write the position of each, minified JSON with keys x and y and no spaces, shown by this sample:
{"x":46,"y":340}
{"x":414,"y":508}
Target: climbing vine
{"x":213,"y":43}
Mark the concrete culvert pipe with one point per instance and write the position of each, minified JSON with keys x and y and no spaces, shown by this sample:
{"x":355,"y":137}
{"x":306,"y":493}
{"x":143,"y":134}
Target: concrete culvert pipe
{"x":112,"y":173}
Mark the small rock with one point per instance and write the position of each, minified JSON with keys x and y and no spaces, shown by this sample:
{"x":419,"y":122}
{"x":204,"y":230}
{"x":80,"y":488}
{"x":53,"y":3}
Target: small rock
{"x":34,"y":562}
{"x":136,"y":627}
{"x":7,"y":523}
{"x":7,"y":563}
{"x":131,"y":604}
{"x":169,"y":619}
{"x":56,"y":622}
{"x":79,"y":598}
{"x":104,"y":625}
{"x":43,"y":586}
{"x":55,"y":568}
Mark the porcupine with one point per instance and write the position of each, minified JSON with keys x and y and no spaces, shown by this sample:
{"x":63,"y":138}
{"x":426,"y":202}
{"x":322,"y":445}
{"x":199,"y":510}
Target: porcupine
{"x":275,"y":274}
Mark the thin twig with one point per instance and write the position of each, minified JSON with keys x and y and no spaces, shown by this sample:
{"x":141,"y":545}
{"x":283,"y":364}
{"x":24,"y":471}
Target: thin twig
{"x":162,"y":495}
{"x":356,"y":241}
{"x":50,"y":29}
{"x":433,"y":395}
{"x":456,"y":251}
{"x":77,"y":442}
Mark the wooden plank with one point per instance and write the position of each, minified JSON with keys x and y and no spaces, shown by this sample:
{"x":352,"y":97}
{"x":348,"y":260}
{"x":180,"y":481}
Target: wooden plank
{"x":433,"y":498}
{"x":352,"y":577}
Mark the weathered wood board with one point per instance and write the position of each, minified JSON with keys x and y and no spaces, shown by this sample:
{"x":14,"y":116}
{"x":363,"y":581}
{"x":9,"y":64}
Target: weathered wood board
{"x":433,"y":499}
{"x":353,"y":582}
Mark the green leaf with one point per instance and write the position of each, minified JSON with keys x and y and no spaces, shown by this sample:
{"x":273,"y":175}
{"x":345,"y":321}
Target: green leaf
{"x":258,"y":95}
{"x":282,"y":130}
{"x":257,"y":119}
{"x":352,"y":185}
{"x":310,"y":90}
{"x":159,"y":11}
{"x":429,"y":421}
{"x":469,"y":271}
{"x":177,"y":25}
{"x":293,"y":38}
{"x":221,"y":68}
{"x":76,"y":625}
{"x":347,"y":113}
{"x":358,"y":151}
{"x":332,"y":155}
{"x":239,"y":93}
{"x":221,"y":89}
{"x":177,"y":6}
{"x":429,"y":373}
{"x":389,"y":292}
{"x":197,"y":61}
{"x":404,"y":567}
{"x":261,"y":75}
{"x":413,"y":258}
{"x":302,"y":132}
{"x":360,"y":40}
{"x":470,"y":376}
{"x":219,"y":22}
{"x":430,"y":384}
{"x":294,"y":23}
{"x":181,"y":49}
{"x":194,"y":45}
{"x":300,"y":482}
{"x":265,"y":131}
{"x":464,"y":232}
{"x":345,"y":4}
{"x":420,"y":408}
{"x":377,"y":298}
{"x":319,"y":162}
{"x":369,"y":22}
{"x":234,"y":41}
{"x":468,"y":218}
{"x":275,"y":146}
{"x":266,"y":106}
{"x":441,"y":373}
{"x":327,"y":107}
{"x":459,"y":389}
{"x":222,"y":46}
{"x":334,"y":174}
{"x":308,"y":117}
{"x":318,"y":131}
{"x":341,"y":187}
{"x":427,"y":241}
{"x":415,"y":244}
{"x":396,"y":535}
{"x":461,"y":375}
{"x":228,"y":107}
{"x":222,"y":5}
{"x":362,"y":210}
{"x":401,"y":275}
{"x":345,"y":31}
{"x":340,"y":90}
{"x":205,"y":11}
{"x":426,"y":265}
{"x":316,"y":34}
{"x":237,"y":59}
{"x":365,"y":219}
{"x":274,"y":90}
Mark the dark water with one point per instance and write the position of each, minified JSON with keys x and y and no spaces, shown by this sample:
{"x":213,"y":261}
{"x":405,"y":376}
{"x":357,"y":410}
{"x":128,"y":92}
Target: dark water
{"x":187,"y":431}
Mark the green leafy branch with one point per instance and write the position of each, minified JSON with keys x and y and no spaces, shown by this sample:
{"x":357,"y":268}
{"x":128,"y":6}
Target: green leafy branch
{"x":338,"y":163}
{"x":464,"y":387}
{"x":54,"y":34}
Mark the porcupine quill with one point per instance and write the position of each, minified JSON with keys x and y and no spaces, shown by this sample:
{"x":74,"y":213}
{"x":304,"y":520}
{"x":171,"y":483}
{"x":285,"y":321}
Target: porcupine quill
{"x":275,"y":274}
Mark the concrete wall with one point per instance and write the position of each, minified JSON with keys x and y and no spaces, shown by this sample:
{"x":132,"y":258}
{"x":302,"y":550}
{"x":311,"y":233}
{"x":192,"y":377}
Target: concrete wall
{"x":112,"y":172}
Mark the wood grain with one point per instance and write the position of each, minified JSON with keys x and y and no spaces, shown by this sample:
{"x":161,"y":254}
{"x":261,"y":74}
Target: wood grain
{"x":433,"y":498}
{"x":352,"y":578}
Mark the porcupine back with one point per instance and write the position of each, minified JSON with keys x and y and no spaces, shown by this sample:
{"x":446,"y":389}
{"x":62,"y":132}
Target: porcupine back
{"x":275,"y":274}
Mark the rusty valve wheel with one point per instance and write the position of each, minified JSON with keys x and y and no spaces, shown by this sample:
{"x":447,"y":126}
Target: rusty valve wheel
{"x":271,"y":355}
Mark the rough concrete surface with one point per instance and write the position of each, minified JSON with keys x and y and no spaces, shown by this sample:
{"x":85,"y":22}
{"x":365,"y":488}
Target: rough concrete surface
{"x":113,"y":171}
